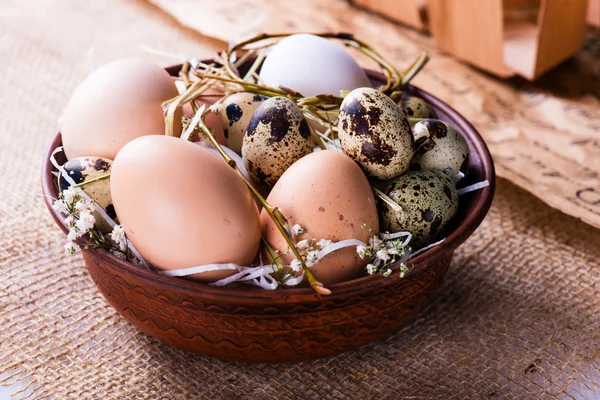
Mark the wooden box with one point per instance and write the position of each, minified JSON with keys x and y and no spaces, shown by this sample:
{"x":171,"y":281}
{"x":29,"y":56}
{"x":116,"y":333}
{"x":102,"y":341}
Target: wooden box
{"x":409,"y":12}
{"x":507,"y":37}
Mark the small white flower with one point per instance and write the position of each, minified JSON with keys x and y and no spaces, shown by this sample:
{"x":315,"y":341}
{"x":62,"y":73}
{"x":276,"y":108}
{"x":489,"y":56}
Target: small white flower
{"x":70,"y":248}
{"x":393,"y":250}
{"x":70,"y":221}
{"x":84,"y":205}
{"x":73,"y":235}
{"x":403,"y":270}
{"x":69,"y":195}
{"x":296,"y":265}
{"x":387,"y":273}
{"x":324,"y":243}
{"x":297,"y":229}
{"x":371,"y":269}
{"x":312,"y":256}
{"x":117,"y":234}
{"x":363,"y":251}
{"x":375,"y":242}
{"x":303,"y":244}
{"x":383,"y":255}
{"x":60,"y":206}
{"x":86,"y":221}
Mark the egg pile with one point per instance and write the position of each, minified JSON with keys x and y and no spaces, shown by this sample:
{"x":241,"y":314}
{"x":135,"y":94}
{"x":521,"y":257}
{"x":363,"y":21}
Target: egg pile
{"x":372,"y":165}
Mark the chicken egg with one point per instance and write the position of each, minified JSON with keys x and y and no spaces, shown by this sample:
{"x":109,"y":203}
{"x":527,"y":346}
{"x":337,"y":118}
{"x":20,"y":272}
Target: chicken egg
{"x":329,"y":196}
{"x":182,"y":206}
{"x":115,"y":104}
{"x":312,"y":65}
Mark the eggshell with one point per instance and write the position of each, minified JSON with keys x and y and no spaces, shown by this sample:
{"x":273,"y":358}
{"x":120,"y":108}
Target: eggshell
{"x":236,"y":114}
{"x":429,"y":201}
{"x":329,"y":196}
{"x":440,"y":147}
{"x":276,"y":137}
{"x":86,"y":169}
{"x":375,"y":133}
{"x":230,"y":153}
{"x":212,"y":120}
{"x":312,"y":65}
{"x":182,"y":206}
{"x":114,"y":105}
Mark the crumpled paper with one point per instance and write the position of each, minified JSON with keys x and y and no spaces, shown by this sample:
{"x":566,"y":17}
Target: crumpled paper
{"x":544,"y":136}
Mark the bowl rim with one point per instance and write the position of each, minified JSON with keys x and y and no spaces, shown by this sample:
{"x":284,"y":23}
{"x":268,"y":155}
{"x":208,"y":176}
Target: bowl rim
{"x":462,"y":231}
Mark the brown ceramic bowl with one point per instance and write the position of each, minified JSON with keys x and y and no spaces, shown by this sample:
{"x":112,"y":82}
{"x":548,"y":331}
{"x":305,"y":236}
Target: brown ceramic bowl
{"x":290,"y":324}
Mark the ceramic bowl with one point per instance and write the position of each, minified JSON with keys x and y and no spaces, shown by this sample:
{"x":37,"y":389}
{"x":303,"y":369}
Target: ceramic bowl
{"x":285,"y":325}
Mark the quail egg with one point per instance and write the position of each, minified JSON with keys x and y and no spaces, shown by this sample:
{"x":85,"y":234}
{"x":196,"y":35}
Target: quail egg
{"x":429,"y":201}
{"x":375,"y":133}
{"x":441,"y":147}
{"x":415,"y":107}
{"x":236,"y":112}
{"x":276,"y":137}
{"x":86,"y":169}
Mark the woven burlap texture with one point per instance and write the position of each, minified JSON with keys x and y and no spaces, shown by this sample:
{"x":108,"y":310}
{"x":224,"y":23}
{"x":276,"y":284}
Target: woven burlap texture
{"x":518,"y":317}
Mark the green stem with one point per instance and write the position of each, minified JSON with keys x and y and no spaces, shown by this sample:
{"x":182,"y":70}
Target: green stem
{"x":414,"y":68}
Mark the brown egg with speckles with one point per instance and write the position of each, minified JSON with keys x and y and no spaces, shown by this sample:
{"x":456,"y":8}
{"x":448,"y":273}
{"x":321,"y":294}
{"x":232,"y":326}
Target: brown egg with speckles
{"x":440,"y":147}
{"x":329,"y":196}
{"x":429,"y":201}
{"x":276,"y":137}
{"x":375,"y":133}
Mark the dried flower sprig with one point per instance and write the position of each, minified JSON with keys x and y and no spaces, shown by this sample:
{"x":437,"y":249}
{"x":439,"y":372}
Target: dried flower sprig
{"x":81,"y":221}
{"x":385,"y":251}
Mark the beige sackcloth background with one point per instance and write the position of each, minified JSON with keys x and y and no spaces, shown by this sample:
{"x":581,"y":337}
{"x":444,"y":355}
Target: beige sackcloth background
{"x":519,"y":313}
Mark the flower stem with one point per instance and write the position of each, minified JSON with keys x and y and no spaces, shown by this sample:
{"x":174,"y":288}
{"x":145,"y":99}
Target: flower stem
{"x":100,"y":178}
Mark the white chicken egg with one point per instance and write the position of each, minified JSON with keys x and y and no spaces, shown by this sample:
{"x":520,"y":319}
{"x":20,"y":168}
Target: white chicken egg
{"x":312,"y":65}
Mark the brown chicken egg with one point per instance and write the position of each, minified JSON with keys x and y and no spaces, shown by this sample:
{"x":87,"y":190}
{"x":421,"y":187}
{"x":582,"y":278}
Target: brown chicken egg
{"x":181,"y":206}
{"x":115,"y":104}
{"x":328,"y":195}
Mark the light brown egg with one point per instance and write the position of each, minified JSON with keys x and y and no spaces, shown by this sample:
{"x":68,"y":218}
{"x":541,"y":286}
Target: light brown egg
{"x":212,"y":120}
{"x":328,"y":195}
{"x":114,"y":105}
{"x":182,"y":206}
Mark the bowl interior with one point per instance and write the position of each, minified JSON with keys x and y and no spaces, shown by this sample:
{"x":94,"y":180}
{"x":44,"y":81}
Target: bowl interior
{"x":473,"y":207}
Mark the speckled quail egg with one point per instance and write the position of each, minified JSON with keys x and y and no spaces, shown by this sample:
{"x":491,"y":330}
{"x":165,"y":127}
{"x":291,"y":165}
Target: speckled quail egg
{"x":429,"y":201}
{"x":415,"y":107}
{"x":375,"y":133}
{"x":441,"y":147}
{"x":276,"y":137}
{"x":85,"y":169}
{"x":236,"y":112}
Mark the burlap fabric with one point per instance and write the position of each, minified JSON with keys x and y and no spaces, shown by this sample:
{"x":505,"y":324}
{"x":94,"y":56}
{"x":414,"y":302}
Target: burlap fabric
{"x":518,"y":316}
